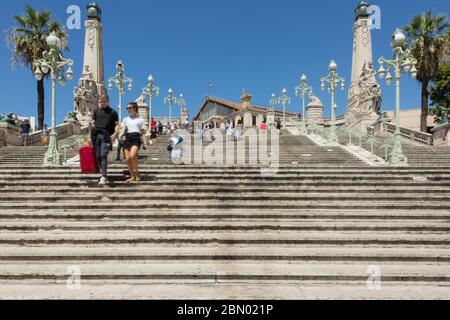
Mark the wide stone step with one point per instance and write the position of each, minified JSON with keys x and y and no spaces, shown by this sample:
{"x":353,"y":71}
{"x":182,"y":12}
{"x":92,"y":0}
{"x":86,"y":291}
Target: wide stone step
{"x":225,"y":204}
{"x":217,"y":196}
{"x":406,"y":189}
{"x":332,"y":238}
{"x":252,"y":253}
{"x":175,"y":225}
{"x":212,"y":273}
{"x":226,"y":291}
{"x":118,"y":212}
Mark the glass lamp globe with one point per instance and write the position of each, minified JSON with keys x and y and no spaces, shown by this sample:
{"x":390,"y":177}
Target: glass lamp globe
{"x":45,"y":68}
{"x":398,"y":39}
{"x":52,"y":40}
{"x":303,"y":78}
{"x":69,"y":74}
{"x":414,"y":72}
{"x":38,"y":74}
{"x":389,"y":79}
{"x":333,"y":66}
{"x":381,"y":72}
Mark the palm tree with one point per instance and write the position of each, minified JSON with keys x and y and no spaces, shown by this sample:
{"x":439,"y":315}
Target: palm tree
{"x":29,"y":40}
{"x":428,"y":37}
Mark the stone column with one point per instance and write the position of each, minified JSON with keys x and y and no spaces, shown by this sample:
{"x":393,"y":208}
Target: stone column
{"x":364,"y":97}
{"x":91,"y":84}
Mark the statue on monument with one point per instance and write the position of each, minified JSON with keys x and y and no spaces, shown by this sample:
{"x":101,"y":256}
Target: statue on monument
{"x":364,"y":97}
{"x":91,"y":84}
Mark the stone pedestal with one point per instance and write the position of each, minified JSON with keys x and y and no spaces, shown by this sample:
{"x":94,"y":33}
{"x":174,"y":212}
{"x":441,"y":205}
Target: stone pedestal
{"x":439,"y":132}
{"x":248,"y":120}
{"x":270,"y":115}
{"x":314,"y":113}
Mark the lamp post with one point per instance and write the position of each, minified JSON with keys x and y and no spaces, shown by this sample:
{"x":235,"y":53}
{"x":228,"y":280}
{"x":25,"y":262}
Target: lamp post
{"x":333,"y":80}
{"x":283,"y":100}
{"x":403,"y":61}
{"x":181,"y":103}
{"x":151,"y":90}
{"x":53,"y":61}
{"x":120,"y":80}
{"x":170,"y":100}
{"x":302,"y":90}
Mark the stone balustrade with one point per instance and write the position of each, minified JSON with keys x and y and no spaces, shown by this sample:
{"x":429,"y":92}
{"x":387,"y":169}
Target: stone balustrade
{"x":412,"y":135}
{"x":439,"y":132}
{"x":9,"y":134}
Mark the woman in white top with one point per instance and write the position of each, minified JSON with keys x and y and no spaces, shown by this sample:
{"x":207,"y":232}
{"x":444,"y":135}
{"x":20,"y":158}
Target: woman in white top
{"x":135,"y":137}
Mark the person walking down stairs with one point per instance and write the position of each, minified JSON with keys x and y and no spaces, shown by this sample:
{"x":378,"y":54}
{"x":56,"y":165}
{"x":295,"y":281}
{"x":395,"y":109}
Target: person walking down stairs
{"x":134,"y":128}
{"x":25,"y":129}
{"x":105,"y":129}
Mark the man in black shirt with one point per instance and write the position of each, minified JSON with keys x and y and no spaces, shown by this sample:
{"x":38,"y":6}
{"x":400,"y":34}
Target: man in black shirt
{"x":105,"y":130}
{"x":25,"y":129}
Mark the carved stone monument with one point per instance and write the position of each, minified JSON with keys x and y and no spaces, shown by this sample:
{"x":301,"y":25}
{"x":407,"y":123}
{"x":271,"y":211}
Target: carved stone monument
{"x":91,"y":84}
{"x":364,"y":97}
{"x":314,"y":110}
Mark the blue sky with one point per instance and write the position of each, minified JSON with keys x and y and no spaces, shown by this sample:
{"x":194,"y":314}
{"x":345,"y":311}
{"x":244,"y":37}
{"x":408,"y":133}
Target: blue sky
{"x":259,"y":45}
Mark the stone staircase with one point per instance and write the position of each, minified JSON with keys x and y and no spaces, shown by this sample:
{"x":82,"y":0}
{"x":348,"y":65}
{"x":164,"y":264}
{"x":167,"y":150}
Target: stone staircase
{"x":418,"y":155}
{"x":322,"y":227}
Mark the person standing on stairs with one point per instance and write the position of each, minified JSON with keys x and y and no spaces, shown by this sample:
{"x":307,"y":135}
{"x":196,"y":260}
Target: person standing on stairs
{"x":135,"y":129}
{"x":25,"y":129}
{"x":279,"y":125}
{"x":104,"y":130}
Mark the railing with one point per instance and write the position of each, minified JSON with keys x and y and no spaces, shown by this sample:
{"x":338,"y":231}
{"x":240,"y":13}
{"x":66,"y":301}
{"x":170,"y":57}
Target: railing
{"x":63,"y":131}
{"x":369,"y":142}
{"x":76,"y":144}
{"x":412,"y":135}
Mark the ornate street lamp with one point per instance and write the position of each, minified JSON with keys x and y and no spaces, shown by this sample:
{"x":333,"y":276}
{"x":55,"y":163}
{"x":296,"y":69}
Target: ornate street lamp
{"x":53,"y":61}
{"x":170,"y":100}
{"x":302,"y":90}
{"x":181,"y":103}
{"x":403,"y":61}
{"x":120,"y":80}
{"x":333,"y":80}
{"x":283,"y":100}
{"x":151,"y":90}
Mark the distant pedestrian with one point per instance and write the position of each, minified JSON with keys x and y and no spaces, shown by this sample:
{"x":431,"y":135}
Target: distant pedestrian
{"x":229,"y":131}
{"x":24,"y":133}
{"x":44,"y":135}
{"x":211,"y":130}
{"x":153,"y":131}
{"x":263,"y":126}
{"x":135,"y":137}
{"x":278,"y":123}
{"x":160,"y":128}
{"x":105,"y":129}
{"x":238,"y":131}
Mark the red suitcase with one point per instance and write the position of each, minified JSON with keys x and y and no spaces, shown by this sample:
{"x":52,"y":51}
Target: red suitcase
{"x":88,"y":163}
